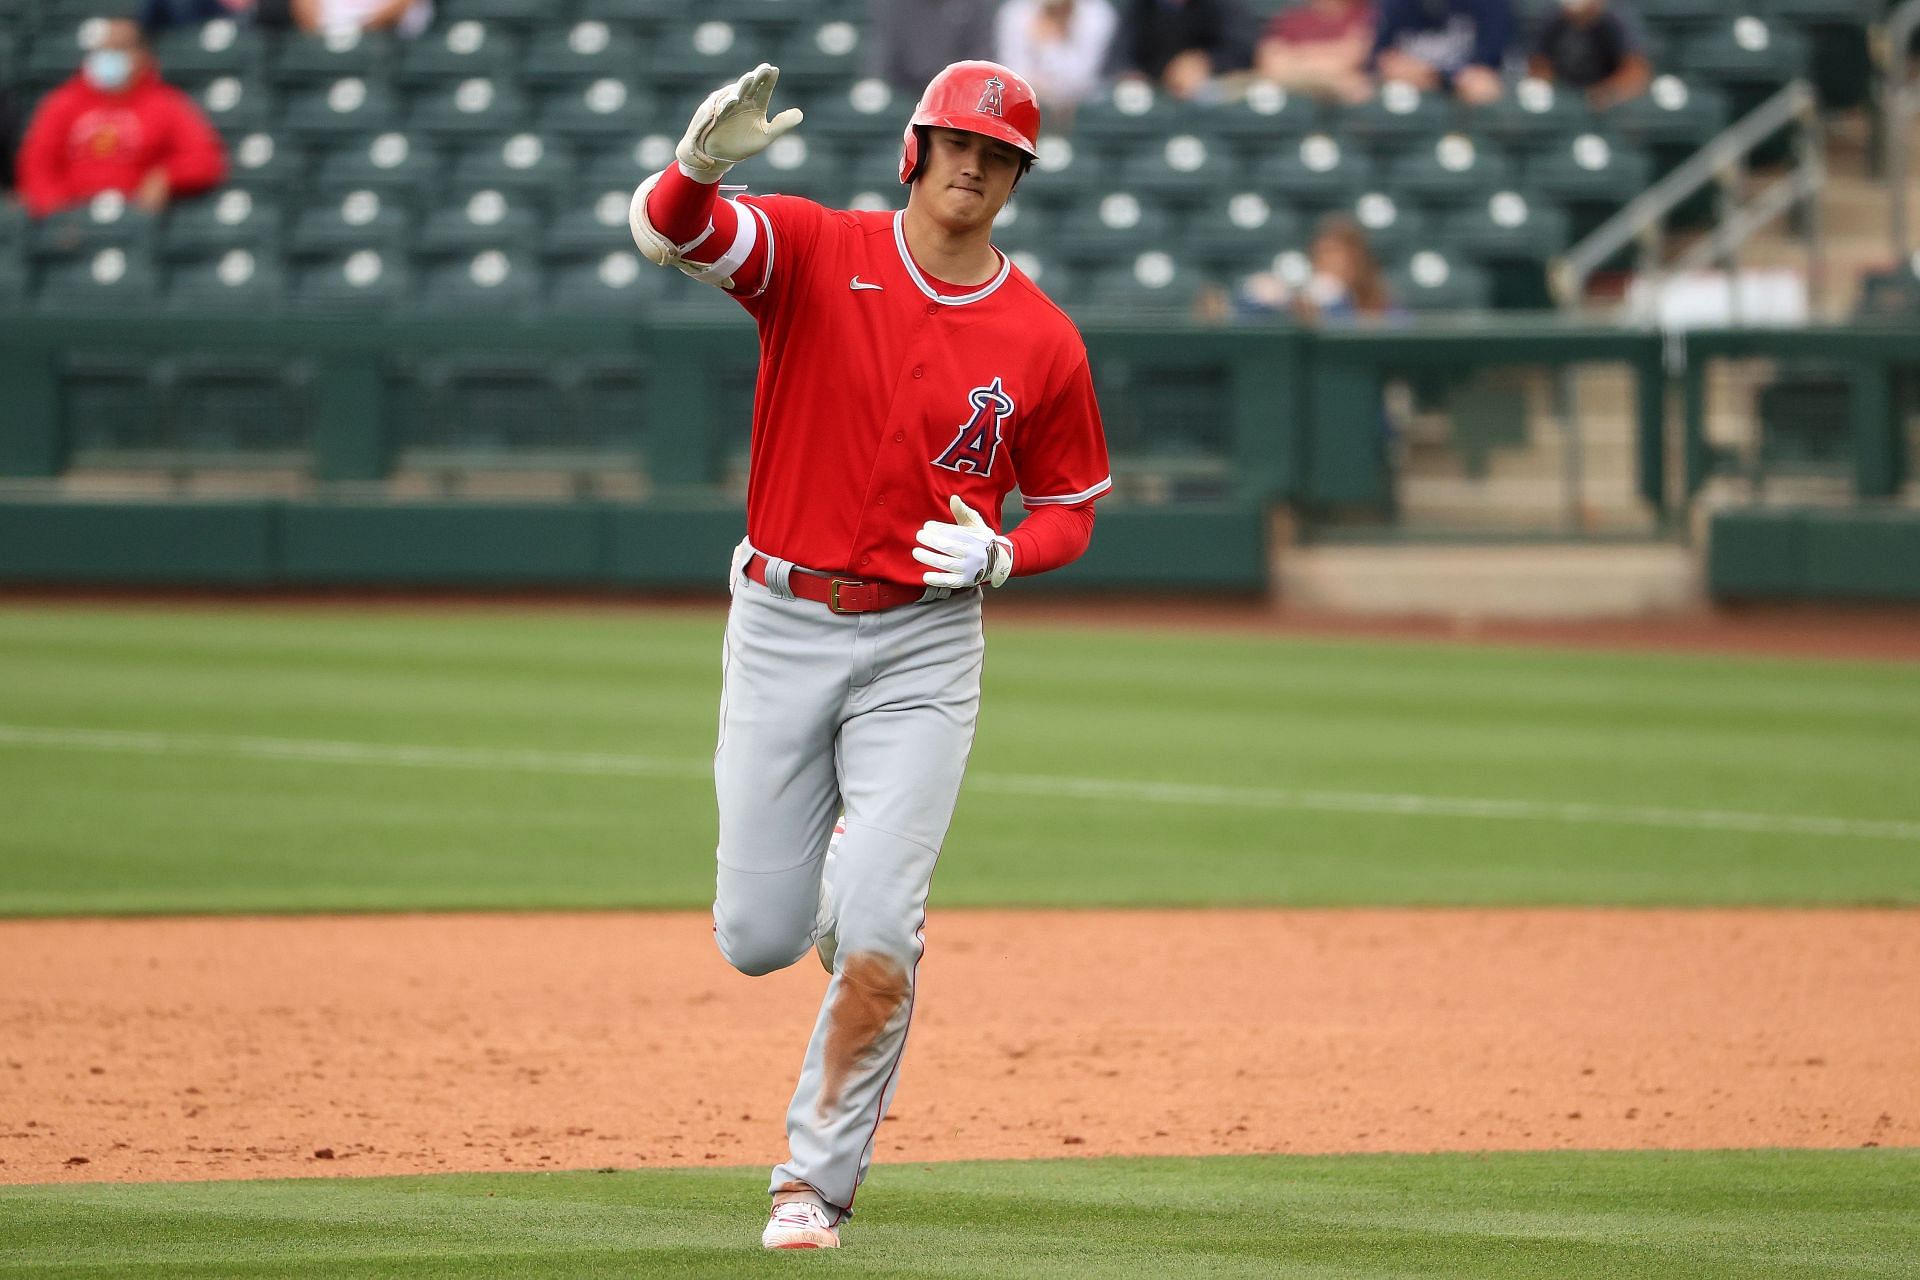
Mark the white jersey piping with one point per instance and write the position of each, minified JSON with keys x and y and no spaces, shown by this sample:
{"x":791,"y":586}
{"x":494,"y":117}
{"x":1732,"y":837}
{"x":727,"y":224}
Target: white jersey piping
{"x":1070,"y":498}
{"x":913,"y":270}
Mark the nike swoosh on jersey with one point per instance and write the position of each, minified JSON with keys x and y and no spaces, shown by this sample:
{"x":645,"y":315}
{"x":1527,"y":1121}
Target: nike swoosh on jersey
{"x":858,"y":283}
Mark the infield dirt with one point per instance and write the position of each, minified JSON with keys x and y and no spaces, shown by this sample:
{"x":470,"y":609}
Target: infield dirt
{"x":268,"y":1047}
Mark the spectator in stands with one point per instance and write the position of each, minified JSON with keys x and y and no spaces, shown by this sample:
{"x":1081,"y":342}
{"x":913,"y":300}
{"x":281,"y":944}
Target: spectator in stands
{"x":1182,"y":45}
{"x":1320,"y":47}
{"x":115,"y":126}
{"x":914,"y":40}
{"x":1595,"y":46}
{"x":158,"y":15}
{"x":402,"y":17}
{"x":1060,"y":46}
{"x":1346,"y":283}
{"x":1455,"y":45}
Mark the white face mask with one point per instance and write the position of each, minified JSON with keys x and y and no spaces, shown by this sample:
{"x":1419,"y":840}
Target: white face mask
{"x":108,"y":69}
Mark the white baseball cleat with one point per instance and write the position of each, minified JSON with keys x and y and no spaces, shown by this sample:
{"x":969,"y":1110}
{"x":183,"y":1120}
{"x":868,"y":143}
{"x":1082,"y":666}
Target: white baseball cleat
{"x":826,"y":942}
{"x":799,"y":1224}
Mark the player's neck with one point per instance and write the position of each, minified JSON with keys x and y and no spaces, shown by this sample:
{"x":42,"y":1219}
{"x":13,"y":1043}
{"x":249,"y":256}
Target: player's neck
{"x":962,"y":258}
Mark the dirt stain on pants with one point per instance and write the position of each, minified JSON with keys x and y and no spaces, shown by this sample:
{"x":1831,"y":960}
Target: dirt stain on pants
{"x":872,"y":989}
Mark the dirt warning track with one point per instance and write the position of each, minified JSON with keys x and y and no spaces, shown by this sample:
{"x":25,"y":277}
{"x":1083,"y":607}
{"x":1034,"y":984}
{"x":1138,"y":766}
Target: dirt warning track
{"x":267,"y":1047}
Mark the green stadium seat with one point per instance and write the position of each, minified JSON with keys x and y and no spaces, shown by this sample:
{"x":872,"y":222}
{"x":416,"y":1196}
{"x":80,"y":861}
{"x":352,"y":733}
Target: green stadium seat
{"x":231,"y":219}
{"x":1050,"y":272}
{"x":619,"y":282}
{"x":240,"y":279}
{"x":1535,"y":114}
{"x":769,"y":15}
{"x":68,"y":12}
{"x":823,"y":55}
{"x":14,"y":226}
{"x":1508,"y":226}
{"x":267,"y":161}
{"x":646,"y":13}
{"x":461,"y":50}
{"x":303,"y":62}
{"x":1264,"y":120}
{"x":1431,"y":281}
{"x":792,"y":165}
{"x":602,"y":110}
{"x":106,"y":221}
{"x":1455,"y":170}
{"x":235,"y":106}
{"x":398,"y":167}
{"x":1061,"y":174}
{"x":344,"y":108}
{"x":1394,"y":229}
{"x":590,"y":225}
{"x":526,"y":164}
{"x":359,"y":280}
{"x":519,"y":14}
{"x":1154,"y":284}
{"x":1022,"y":226}
{"x":1746,"y":50}
{"x":1839,"y":31}
{"x":579,"y":54}
{"x":358,"y":220}
{"x":56,"y":52}
{"x":870,"y":172}
{"x":469,"y":109}
{"x":15,"y":279}
{"x":1317,"y":172}
{"x":1680,"y":14}
{"x":1590,"y":169}
{"x":1113,"y":227}
{"x":868,"y":113}
{"x":1184,"y":168}
{"x":1129,"y":115}
{"x":491,"y":280}
{"x":1672,"y":113}
{"x":110,"y":278}
{"x":484,"y":220}
{"x":1397,"y":118}
{"x":194,"y":55}
{"x":625,"y":166}
{"x":1241,"y":232}
{"x":693,"y":59}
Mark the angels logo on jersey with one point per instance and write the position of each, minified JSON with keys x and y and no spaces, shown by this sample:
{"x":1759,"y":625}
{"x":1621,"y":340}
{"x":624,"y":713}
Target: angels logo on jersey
{"x":990,"y":104}
{"x":973,"y":448}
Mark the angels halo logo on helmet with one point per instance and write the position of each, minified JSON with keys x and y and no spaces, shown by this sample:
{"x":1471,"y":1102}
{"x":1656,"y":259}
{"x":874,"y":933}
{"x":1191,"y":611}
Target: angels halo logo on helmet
{"x":979,"y":97}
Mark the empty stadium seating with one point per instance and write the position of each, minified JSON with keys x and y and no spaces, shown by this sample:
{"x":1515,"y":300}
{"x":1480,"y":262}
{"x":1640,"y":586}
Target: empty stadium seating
{"x":486,"y":163}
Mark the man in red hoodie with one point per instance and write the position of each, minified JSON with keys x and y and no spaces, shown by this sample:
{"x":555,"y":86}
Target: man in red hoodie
{"x":115,"y":126}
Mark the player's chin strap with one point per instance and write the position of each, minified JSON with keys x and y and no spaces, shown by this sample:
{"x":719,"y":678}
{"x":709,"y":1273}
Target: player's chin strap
{"x":657,"y":248}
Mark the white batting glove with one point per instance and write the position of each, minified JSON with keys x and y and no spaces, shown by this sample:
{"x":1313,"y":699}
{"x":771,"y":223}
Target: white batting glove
{"x":732,"y":125}
{"x":965,"y":553}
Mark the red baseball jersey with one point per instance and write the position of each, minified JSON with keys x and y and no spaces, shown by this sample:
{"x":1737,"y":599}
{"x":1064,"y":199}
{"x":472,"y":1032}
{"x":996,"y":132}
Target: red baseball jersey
{"x":881,"y":392}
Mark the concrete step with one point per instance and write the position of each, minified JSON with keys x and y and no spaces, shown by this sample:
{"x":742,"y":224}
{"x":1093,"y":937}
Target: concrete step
{"x":1556,"y":581}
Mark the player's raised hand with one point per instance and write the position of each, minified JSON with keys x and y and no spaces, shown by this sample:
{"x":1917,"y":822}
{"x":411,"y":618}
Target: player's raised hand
{"x":965,"y":553}
{"x":732,"y":125}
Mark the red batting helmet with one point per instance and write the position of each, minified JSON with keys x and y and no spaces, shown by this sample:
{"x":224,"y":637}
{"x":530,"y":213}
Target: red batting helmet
{"x":980,"y":97}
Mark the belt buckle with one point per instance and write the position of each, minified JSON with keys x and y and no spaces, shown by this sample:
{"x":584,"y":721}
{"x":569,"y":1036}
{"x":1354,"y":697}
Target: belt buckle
{"x":833,"y":594}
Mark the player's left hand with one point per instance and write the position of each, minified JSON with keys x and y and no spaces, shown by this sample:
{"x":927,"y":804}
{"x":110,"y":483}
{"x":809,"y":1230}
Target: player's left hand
{"x":965,"y":553}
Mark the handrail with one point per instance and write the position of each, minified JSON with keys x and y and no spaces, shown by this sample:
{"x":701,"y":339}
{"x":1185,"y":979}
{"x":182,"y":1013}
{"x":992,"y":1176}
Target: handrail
{"x":1721,"y":158}
{"x":1902,"y":99}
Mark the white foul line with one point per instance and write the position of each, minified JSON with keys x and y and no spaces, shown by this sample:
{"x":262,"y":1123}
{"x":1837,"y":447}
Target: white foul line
{"x":317,"y":751}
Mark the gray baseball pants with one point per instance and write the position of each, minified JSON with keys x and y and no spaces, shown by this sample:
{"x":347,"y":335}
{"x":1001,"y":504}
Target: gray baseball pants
{"x":821,"y":713}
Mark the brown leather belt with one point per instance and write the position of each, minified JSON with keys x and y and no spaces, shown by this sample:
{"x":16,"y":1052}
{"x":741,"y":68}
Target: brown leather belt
{"x":842,"y":595}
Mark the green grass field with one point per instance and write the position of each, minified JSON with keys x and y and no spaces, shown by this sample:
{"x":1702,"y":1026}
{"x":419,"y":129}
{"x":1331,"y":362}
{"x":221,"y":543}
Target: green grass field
{"x":197,"y":761}
{"x":297,"y":760}
{"x":1738,"y":1215}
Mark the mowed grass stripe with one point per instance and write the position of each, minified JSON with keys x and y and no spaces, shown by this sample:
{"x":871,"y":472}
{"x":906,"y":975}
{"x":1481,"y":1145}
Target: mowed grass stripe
{"x":1703,"y":1215}
{"x":1113,"y":768}
{"x":1114,"y":790}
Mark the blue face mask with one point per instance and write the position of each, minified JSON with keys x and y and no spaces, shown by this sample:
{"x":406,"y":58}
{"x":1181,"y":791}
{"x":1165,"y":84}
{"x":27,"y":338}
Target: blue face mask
{"x":109,"y":69}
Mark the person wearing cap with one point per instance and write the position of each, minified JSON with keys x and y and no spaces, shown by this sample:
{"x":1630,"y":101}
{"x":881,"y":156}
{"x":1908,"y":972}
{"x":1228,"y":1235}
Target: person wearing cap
{"x":911,"y":377}
{"x":116,"y":126}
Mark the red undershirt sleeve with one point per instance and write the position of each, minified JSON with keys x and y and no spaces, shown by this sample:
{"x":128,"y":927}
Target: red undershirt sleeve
{"x":1050,"y":537}
{"x":682,"y":208}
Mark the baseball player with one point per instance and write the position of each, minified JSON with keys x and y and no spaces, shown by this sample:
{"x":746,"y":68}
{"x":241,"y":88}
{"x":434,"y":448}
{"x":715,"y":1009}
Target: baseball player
{"x":910,"y":377}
